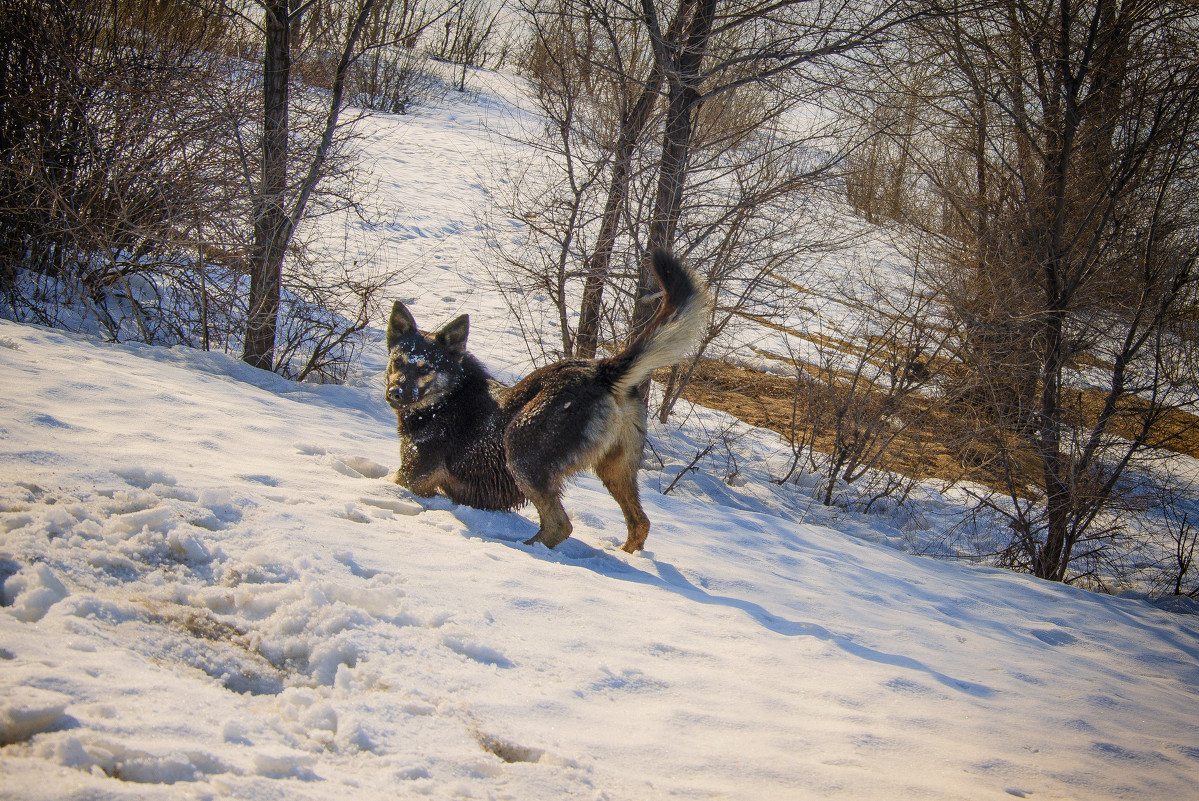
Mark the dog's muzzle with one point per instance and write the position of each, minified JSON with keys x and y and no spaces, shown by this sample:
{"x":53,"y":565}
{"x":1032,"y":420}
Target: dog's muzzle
{"x":408,"y":391}
{"x":395,"y":396}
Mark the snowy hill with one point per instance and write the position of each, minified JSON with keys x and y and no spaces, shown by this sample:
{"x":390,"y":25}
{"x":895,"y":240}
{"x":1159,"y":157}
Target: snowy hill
{"x":211,"y":590}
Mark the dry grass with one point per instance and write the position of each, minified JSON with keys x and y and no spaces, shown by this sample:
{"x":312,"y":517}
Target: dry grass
{"x":941,"y":445}
{"x":769,"y":401}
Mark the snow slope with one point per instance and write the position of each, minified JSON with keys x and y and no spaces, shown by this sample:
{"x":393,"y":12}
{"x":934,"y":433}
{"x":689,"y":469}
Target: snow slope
{"x":210,"y":585}
{"x":211,"y":589}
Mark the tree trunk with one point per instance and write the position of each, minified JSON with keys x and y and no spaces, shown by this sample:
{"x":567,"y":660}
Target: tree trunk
{"x":274,"y":223}
{"x":270,"y":212}
{"x":632,"y":127}
{"x":1050,"y":561}
{"x":682,"y":73}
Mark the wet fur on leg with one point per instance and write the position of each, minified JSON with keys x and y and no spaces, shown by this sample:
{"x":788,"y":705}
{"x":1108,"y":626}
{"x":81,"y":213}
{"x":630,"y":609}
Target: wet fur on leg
{"x":494,"y":447}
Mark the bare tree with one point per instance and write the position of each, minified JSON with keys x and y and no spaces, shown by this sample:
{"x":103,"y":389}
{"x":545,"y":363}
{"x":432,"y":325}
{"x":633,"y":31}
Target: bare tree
{"x":725,"y":46}
{"x":1183,"y":536}
{"x":635,"y":104}
{"x":277,"y":211}
{"x":604,"y":84}
{"x":554,"y":191}
{"x":1064,"y":163}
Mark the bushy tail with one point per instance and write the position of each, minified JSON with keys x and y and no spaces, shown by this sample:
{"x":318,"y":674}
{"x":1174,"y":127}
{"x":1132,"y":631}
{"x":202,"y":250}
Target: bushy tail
{"x":674,"y":330}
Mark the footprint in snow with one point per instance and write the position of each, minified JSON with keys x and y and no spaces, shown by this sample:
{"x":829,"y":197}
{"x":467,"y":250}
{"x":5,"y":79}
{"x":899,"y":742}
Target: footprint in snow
{"x":396,"y":505}
{"x":346,"y":464}
{"x":483,"y":654}
{"x":357,"y":467}
{"x":145,"y":477}
{"x":506,"y":750}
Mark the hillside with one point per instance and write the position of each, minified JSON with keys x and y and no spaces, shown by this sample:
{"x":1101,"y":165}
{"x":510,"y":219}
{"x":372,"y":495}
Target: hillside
{"x":211,"y":590}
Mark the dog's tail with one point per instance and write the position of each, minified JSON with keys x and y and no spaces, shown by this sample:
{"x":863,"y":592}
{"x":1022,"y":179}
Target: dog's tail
{"x":673,"y":330}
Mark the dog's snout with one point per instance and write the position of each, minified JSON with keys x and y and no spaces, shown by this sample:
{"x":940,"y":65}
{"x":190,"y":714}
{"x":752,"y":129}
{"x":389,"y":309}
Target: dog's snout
{"x":394,"y":394}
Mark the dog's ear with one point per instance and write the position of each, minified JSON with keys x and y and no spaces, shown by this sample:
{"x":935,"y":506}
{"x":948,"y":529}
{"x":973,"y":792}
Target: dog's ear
{"x":400,"y":324}
{"x":453,"y":336}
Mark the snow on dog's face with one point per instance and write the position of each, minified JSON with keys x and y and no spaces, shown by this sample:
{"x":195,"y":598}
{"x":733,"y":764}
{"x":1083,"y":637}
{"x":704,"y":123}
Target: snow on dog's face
{"x":422,"y":368}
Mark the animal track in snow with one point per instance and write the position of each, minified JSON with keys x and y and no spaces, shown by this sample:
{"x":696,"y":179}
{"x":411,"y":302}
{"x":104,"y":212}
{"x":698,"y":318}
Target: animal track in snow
{"x":357,"y":466}
{"x":145,"y":477}
{"x":223,"y":650}
{"x":254,"y":624}
{"x":482,"y":654}
{"x":118,"y":761}
{"x":400,"y":507}
{"x":350,"y":465}
{"x":507,"y":751}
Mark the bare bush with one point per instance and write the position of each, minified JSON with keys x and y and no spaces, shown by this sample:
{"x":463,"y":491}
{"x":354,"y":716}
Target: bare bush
{"x":393,"y":72}
{"x":867,"y":396}
{"x":107,"y":163}
{"x":127,"y":184}
{"x":1167,"y":535}
{"x":467,"y":36}
{"x":1183,"y":536}
{"x":395,"y":79}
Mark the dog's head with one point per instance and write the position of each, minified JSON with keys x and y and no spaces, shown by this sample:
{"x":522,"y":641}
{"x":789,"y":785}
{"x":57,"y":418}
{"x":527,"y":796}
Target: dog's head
{"x":422,"y":368}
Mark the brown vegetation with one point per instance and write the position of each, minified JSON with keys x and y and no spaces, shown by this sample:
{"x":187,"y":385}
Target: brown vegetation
{"x":937,"y":449}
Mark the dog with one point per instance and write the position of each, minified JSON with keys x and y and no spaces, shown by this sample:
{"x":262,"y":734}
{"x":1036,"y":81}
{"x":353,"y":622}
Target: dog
{"x":490,"y":446}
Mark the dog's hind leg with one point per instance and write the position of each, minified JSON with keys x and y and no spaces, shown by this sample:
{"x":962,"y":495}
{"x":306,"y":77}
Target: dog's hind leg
{"x":555,"y":524}
{"x":540,"y":458}
{"x":618,"y":470}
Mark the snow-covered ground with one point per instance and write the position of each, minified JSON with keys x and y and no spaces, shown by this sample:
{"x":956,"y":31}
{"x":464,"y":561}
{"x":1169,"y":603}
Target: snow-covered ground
{"x":212,"y":590}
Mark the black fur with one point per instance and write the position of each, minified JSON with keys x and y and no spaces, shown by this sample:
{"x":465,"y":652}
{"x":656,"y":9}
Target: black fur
{"x":493,"y":447}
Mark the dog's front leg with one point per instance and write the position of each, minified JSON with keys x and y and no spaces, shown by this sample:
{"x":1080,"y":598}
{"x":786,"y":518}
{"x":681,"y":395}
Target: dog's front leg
{"x":424,"y":487}
{"x":416,"y":474}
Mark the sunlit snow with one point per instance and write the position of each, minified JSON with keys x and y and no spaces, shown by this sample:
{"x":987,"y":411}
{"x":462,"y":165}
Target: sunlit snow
{"x":211,"y":589}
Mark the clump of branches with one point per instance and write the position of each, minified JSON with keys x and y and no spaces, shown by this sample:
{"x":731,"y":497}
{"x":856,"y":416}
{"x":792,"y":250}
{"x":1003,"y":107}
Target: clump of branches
{"x":106,"y":166}
{"x":327,"y":310}
{"x":128,"y":149}
{"x":1178,"y":536}
{"x":467,"y":37}
{"x":868,"y":394}
{"x":395,"y":79}
{"x":1044,"y":154}
{"x":394,"y":71}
